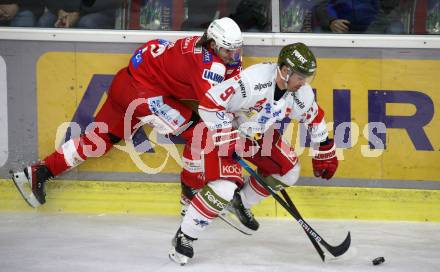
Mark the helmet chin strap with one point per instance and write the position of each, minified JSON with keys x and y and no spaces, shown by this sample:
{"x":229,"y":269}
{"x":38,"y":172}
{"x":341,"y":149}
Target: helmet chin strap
{"x":217,"y":50}
{"x":286,"y":79}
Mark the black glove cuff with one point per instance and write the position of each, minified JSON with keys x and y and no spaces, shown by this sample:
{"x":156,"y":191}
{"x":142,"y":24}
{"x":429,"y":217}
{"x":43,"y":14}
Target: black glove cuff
{"x":326,"y":142}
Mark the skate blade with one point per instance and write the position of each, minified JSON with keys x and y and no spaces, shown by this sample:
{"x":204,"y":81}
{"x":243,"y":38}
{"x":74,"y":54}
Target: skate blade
{"x":21,"y":182}
{"x":232,"y":220}
{"x":177,"y":257}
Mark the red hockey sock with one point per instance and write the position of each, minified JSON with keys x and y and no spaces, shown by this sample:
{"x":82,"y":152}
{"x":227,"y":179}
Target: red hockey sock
{"x":56,"y":163}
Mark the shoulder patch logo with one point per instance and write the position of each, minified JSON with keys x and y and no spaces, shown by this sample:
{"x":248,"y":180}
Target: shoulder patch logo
{"x":137,"y":58}
{"x":298,"y":102}
{"x":260,"y":86}
{"x":242,"y":88}
{"x":187,"y":45}
{"x":207,"y":56}
{"x":212,"y":77}
{"x":220,"y":115}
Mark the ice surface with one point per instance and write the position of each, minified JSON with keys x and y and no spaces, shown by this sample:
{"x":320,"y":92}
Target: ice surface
{"x":74,"y":242}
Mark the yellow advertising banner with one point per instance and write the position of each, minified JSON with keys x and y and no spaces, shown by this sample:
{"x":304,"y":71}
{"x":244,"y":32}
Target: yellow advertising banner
{"x":383,"y":114}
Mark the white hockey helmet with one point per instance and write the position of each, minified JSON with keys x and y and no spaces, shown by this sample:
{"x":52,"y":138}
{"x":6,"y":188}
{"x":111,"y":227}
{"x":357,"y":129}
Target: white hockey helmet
{"x":226,"y":33}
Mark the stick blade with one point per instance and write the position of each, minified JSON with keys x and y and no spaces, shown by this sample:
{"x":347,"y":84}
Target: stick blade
{"x":340,"y":249}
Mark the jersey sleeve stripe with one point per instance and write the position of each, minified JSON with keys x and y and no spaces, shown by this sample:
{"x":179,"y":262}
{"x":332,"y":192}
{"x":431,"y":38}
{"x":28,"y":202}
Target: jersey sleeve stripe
{"x":208,"y":103}
{"x":318,"y":118}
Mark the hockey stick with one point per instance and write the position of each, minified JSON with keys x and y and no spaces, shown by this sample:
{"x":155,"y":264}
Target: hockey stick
{"x":314,"y":237}
{"x":334,"y":250}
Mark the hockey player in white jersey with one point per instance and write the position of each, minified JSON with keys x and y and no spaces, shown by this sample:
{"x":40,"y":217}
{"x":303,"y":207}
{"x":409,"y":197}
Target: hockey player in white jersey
{"x":240,"y":115}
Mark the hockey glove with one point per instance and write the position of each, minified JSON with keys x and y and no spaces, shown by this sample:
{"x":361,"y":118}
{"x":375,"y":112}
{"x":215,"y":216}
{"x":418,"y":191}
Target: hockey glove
{"x":325,"y":161}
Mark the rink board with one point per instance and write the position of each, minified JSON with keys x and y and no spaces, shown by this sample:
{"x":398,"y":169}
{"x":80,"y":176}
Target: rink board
{"x":163,"y":199}
{"x":47,"y":81}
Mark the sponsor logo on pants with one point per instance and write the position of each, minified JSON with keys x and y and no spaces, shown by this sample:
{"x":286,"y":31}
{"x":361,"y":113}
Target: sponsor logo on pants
{"x":230,"y":170}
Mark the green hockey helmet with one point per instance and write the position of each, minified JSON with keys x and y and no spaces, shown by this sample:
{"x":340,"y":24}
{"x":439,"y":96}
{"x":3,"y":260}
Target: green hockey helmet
{"x":299,"y":58}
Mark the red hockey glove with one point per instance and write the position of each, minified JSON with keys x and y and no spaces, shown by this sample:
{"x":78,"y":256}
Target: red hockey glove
{"x":325,"y":161}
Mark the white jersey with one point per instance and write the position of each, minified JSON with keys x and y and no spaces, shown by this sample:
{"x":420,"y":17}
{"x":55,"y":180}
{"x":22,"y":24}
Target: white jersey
{"x":246,"y":102}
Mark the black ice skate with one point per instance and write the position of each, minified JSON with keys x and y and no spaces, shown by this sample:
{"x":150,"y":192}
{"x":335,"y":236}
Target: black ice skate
{"x":30,"y":183}
{"x":244,"y":215}
{"x":182,"y":249}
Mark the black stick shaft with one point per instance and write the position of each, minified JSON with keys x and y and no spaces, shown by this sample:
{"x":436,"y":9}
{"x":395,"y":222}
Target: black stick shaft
{"x":313,"y":236}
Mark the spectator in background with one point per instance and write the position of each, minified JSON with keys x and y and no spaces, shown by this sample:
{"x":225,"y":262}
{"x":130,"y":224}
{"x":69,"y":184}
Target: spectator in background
{"x":252,"y":15}
{"x":297,"y":15}
{"x":389,"y":17}
{"x":20,"y":13}
{"x":346,"y":16}
{"x":200,"y":14}
{"x":71,"y":13}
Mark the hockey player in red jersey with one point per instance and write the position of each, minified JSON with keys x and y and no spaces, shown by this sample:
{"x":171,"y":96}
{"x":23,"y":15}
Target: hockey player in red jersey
{"x":240,"y":115}
{"x":159,"y":75}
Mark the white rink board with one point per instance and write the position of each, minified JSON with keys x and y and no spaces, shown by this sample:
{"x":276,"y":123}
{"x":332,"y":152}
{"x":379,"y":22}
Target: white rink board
{"x":42,"y":242}
{"x":250,"y":38}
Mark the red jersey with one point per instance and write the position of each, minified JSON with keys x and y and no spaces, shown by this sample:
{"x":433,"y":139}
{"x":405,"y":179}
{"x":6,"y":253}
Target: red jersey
{"x":179,"y":69}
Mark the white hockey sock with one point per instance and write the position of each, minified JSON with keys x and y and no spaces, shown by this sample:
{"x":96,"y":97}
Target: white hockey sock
{"x":250,"y":196}
{"x":194,"y":222}
{"x":206,"y":205}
